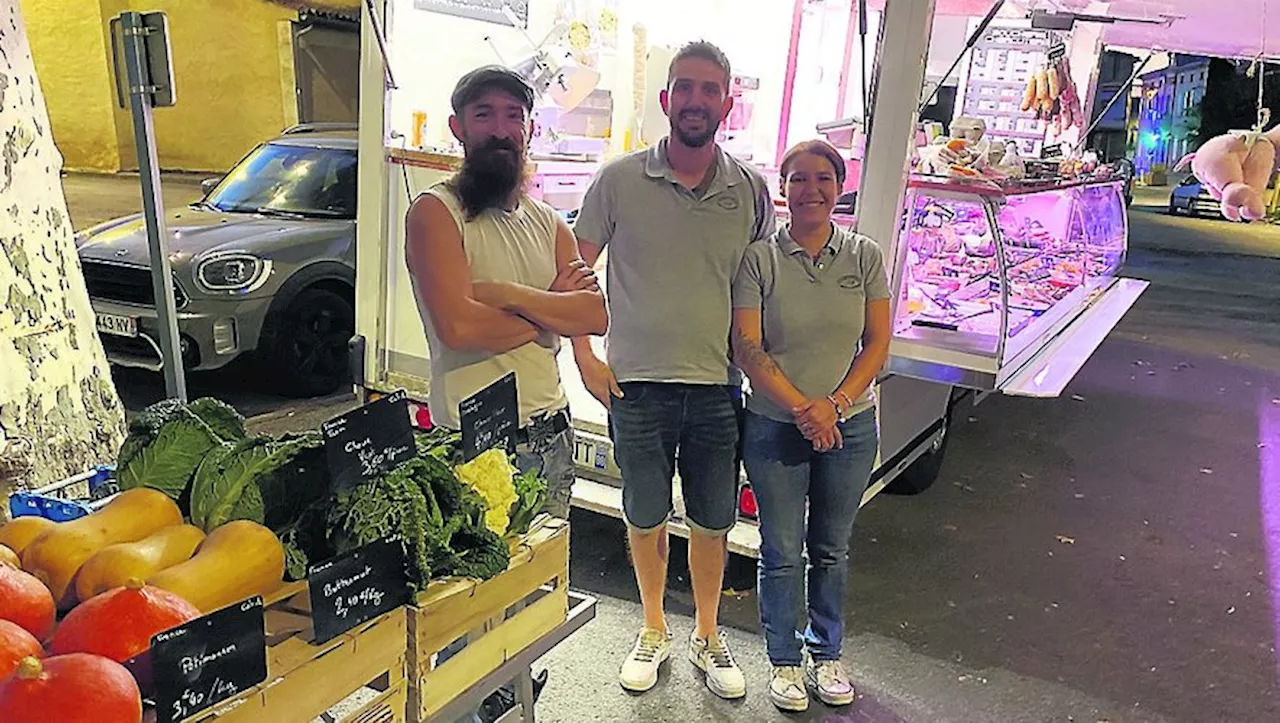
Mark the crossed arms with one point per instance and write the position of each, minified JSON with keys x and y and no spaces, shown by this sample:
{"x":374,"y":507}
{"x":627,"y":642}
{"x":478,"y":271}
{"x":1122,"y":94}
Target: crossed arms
{"x":497,"y":316}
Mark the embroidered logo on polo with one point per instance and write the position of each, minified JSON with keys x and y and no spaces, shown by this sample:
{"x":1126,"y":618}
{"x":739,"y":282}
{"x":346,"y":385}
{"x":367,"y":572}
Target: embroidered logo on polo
{"x":850,"y":281}
{"x":728,"y":203}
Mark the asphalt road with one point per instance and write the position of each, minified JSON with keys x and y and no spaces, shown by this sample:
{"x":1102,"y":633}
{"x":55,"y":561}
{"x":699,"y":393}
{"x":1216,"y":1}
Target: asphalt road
{"x":1112,"y":555}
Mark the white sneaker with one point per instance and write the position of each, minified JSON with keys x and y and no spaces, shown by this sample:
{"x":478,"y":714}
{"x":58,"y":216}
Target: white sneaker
{"x":786,"y":688}
{"x":640,"y":669}
{"x":830,"y":681}
{"x":724,"y":678}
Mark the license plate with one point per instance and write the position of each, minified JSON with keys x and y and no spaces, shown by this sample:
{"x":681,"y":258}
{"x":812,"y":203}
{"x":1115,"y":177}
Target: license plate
{"x":118,"y":325}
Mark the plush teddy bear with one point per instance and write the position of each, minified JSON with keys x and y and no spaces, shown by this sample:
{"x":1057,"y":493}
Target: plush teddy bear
{"x":1235,"y":168}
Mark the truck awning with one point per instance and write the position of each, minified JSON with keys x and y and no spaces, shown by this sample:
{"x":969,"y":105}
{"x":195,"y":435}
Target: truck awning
{"x":1234,"y":29}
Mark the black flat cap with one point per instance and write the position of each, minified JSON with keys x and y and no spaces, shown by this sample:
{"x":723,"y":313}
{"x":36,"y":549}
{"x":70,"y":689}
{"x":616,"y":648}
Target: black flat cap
{"x":489,"y":77}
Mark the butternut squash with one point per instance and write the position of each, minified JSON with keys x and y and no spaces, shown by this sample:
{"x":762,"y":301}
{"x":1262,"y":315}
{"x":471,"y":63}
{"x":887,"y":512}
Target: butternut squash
{"x":9,"y":557}
{"x":19,"y":532}
{"x":236,"y":561}
{"x":56,"y":556}
{"x":114,"y":565}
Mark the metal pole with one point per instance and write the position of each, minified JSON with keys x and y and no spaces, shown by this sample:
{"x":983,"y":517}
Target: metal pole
{"x":152,"y":204}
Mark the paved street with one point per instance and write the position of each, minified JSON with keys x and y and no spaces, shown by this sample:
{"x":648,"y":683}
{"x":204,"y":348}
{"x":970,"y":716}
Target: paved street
{"x":1110,"y":555}
{"x":92,"y":199}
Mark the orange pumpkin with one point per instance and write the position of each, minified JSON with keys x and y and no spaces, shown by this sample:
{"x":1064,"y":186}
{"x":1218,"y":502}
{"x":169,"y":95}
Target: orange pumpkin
{"x":26,"y":601}
{"x":75,"y":688}
{"x":119,"y":623}
{"x":15,"y":644}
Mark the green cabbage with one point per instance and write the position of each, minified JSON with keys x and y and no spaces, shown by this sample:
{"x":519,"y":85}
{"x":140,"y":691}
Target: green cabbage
{"x":271,"y":482}
{"x":168,"y":441}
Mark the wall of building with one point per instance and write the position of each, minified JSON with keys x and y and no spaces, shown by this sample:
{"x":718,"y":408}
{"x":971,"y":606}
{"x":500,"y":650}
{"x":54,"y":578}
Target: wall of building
{"x":70,"y":46}
{"x":233,"y":71}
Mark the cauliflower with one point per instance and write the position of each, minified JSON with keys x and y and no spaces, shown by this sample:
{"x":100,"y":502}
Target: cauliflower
{"x":492,"y":475}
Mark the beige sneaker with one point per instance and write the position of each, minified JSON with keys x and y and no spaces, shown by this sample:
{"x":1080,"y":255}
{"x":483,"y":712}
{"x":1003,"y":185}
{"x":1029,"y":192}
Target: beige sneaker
{"x":640,"y":669}
{"x":724,"y":678}
{"x":830,"y":681}
{"x":786,"y":689}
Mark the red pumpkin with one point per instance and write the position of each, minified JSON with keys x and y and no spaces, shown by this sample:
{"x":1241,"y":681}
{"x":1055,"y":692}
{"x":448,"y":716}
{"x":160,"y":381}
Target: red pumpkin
{"x":119,"y":623}
{"x":26,"y":601}
{"x":75,"y":688}
{"x":15,"y":644}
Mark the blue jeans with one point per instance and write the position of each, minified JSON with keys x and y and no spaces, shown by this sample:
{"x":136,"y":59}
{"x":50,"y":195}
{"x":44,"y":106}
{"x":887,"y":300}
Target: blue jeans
{"x":788,"y":477}
{"x":659,"y":427}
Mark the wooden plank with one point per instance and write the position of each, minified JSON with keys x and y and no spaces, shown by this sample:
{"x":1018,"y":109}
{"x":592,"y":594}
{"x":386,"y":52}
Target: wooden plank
{"x":306,"y":680}
{"x":436,"y":688}
{"x":389,"y":707}
{"x":442,"y":617}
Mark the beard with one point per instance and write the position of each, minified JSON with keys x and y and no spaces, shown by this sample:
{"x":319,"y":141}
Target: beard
{"x":490,"y":174}
{"x":695,"y":139}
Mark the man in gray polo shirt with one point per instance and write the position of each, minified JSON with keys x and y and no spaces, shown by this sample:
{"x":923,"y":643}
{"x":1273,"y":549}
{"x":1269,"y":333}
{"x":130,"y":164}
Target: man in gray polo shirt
{"x":676,"y":219}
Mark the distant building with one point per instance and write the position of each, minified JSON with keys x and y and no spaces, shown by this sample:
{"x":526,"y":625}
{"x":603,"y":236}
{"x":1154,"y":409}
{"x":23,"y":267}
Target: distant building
{"x":1110,"y":136}
{"x":1169,"y":115}
{"x":244,"y":70}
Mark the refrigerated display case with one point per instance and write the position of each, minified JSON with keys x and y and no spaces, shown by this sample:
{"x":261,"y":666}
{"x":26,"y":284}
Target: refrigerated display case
{"x":991,"y":276}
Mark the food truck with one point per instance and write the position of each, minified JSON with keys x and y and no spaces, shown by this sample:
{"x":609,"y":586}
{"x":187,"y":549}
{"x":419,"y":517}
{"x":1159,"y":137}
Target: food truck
{"x":1006,"y":250}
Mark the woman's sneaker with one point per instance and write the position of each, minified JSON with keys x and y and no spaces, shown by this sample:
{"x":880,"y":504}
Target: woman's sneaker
{"x":713,"y":658}
{"x":640,"y":669}
{"x":830,"y":681}
{"x":786,"y":688}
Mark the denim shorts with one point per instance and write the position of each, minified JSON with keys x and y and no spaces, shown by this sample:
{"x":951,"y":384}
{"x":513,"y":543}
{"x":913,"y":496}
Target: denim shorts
{"x":659,"y":427}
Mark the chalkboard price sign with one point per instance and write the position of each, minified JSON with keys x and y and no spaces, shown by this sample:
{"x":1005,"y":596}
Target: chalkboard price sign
{"x":367,"y":442}
{"x":490,"y":418}
{"x":208,"y":660}
{"x":356,"y":587}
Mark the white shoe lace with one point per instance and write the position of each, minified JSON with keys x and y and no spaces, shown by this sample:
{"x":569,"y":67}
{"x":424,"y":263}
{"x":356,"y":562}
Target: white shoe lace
{"x":647,"y":646}
{"x":791,"y":675}
{"x":718,"y":652}
{"x":831,"y":673}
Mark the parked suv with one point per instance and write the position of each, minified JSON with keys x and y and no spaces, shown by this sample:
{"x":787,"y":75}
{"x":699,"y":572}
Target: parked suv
{"x":264,"y":263}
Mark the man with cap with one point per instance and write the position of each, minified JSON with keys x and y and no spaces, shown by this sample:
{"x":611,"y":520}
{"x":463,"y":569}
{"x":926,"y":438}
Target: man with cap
{"x":499,"y":280}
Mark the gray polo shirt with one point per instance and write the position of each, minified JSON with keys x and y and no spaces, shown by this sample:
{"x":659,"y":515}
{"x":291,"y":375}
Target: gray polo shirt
{"x":672,"y":256}
{"x":813,"y":311}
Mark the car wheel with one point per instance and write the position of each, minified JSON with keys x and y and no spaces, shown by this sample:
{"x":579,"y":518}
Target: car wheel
{"x":1173,"y":210}
{"x":308,"y":352}
{"x":922,"y":473}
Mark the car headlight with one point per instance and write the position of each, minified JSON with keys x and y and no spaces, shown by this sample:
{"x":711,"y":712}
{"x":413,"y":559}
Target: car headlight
{"x":240,"y":272}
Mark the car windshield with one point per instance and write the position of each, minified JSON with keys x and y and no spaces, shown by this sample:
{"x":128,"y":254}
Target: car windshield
{"x":290,"y":180}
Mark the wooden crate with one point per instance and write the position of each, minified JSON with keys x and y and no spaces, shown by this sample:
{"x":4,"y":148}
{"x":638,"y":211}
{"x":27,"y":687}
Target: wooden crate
{"x":306,"y":680}
{"x":498,"y":618}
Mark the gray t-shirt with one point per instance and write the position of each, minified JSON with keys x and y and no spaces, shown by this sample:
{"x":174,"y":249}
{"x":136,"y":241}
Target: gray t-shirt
{"x":813,"y":312}
{"x":672,"y":255}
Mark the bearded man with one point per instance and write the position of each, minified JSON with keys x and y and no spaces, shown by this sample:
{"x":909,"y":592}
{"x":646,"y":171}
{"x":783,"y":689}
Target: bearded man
{"x":499,"y":280}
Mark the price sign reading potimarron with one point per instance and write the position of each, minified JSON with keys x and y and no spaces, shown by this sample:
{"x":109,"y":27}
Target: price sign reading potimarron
{"x":366,"y":442}
{"x":208,"y":660}
{"x":490,"y":418}
{"x":357,"y":587}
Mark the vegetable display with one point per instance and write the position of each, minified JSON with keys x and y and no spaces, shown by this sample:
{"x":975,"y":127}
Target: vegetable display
{"x":15,"y":644}
{"x":119,"y":623}
{"x":259,"y":479}
{"x":56,"y":556}
{"x":115,"y":565}
{"x":26,"y":602}
{"x":439,"y":520}
{"x":168,"y":440}
{"x":236,"y":561}
{"x":76,"y":688}
{"x":209,"y":516}
{"x":17,"y":533}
